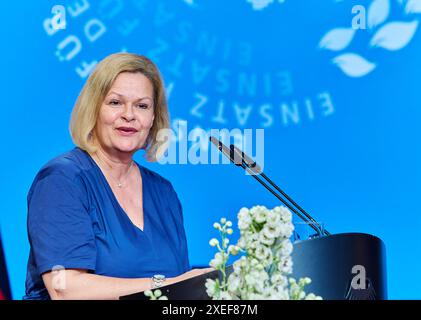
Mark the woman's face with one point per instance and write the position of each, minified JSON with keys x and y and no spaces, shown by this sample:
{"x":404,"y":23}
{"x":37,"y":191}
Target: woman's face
{"x":126,"y":114}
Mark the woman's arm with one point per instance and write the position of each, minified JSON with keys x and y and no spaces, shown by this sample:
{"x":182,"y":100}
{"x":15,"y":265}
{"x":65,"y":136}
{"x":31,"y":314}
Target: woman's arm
{"x":76,"y":284}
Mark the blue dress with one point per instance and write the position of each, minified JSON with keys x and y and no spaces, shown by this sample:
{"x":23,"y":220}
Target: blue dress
{"x":75,"y":221}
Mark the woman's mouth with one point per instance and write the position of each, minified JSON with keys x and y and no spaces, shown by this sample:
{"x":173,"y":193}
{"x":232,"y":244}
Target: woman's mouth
{"x":126,"y":131}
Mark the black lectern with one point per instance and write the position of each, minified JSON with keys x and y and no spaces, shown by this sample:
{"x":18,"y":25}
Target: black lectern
{"x":333,"y":262}
{"x":341,"y":266}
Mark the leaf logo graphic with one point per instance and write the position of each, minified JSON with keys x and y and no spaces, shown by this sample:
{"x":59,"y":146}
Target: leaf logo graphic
{"x":260,"y":4}
{"x":413,"y":6}
{"x":378,"y":12}
{"x":337,"y":39}
{"x":189,"y":2}
{"x":353,"y":65}
{"x":394,"y":35}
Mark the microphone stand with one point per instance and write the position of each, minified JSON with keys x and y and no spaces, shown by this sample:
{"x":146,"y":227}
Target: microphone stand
{"x":239,"y":158}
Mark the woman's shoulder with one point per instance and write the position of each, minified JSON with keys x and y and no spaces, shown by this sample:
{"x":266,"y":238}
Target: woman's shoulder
{"x":69,"y":164}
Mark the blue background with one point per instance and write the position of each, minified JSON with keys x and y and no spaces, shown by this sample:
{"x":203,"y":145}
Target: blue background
{"x":356,"y":169}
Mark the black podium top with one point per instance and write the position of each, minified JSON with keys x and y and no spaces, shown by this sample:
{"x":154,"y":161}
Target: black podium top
{"x":333,"y":262}
{"x":341,"y":266}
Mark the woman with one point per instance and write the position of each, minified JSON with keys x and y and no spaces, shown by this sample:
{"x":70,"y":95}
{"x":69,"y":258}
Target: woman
{"x":100,"y":225}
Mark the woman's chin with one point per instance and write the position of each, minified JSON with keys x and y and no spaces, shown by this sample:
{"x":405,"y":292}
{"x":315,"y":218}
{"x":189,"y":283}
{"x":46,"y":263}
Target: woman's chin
{"x":128,"y":148}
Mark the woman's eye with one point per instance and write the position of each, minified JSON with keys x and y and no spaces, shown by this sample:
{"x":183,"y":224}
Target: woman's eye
{"x":143,"y":106}
{"x":114,"y":102}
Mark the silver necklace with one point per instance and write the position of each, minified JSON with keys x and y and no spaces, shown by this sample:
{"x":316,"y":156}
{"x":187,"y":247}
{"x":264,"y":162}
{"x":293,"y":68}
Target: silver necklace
{"x":120,"y":183}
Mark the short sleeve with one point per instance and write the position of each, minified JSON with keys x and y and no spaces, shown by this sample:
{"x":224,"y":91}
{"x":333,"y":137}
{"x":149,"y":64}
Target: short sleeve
{"x":59,"y":226}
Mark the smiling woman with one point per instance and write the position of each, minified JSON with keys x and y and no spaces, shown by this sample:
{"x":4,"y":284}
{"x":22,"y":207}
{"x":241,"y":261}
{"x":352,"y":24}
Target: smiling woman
{"x":104,"y":221}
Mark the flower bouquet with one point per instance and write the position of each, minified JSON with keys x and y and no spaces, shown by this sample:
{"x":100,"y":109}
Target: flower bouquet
{"x":263,"y":270}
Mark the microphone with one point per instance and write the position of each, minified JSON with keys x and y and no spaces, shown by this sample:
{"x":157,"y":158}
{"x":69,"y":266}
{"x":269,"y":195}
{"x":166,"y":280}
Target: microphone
{"x":226,"y":151}
{"x":246,"y":160}
{"x":236,"y":156}
{"x":239,"y":158}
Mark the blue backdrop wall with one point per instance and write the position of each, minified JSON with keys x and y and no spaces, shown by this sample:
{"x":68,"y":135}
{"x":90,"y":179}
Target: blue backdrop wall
{"x":340,"y":107}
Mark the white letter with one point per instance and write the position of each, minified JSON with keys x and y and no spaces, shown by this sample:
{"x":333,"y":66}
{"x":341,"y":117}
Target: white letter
{"x":59,"y":20}
{"x":327,"y":103}
{"x":78,"y":9}
{"x":199,"y":138}
{"x":219,"y":117}
{"x":94,"y":22}
{"x":202,"y":100}
{"x":286,"y":112}
{"x":77,"y":45}
{"x":263,"y":112}
{"x":163,"y":138}
{"x":358,"y":22}
{"x":86,"y":68}
{"x":358,"y":282}
{"x":242,"y":113}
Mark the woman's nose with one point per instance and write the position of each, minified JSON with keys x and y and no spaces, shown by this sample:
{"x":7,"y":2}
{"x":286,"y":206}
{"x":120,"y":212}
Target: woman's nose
{"x":128,"y":113}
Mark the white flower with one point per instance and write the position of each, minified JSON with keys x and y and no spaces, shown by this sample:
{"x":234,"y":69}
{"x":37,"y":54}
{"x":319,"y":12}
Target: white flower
{"x":271,"y":231}
{"x":286,"y":215}
{"x":265,"y":240}
{"x":281,"y":293}
{"x":244,"y":219}
{"x":279,"y":279}
{"x":243,"y":212}
{"x":225,"y":296}
{"x":234,"y":282}
{"x":226,"y":241}
{"x":286,"y":248}
{"x":312,"y":296}
{"x":157,"y":293}
{"x":213,"y":242}
{"x":285,"y":265}
{"x":237,"y":267}
{"x":273,"y":217}
{"x":304,"y":281}
{"x":256,"y":280}
{"x":259,"y":213}
{"x":241,"y":243}
{"x":264,"y":254}
{"x":286,"y":230}
{"x":217,"y":226}
{"x":218,"y":260}
{"x":252,"y":241}
{"x":233,"y":250}
{"x":211,"y":287}
{"x":254,"y":263}
{"x":250,"y":280}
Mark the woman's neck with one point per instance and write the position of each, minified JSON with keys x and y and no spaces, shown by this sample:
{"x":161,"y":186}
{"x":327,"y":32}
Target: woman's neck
{"x":116,"y":163}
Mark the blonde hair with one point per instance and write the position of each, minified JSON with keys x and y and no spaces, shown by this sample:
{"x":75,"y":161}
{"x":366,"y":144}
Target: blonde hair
{"x":86,"y":109}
